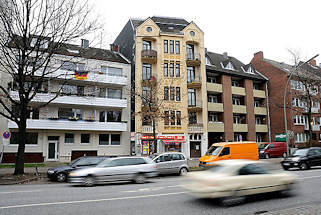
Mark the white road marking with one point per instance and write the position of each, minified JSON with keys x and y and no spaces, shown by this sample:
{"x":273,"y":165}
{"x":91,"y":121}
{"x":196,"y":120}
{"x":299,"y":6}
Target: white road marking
{"x":149,"y":189}
{"x":308,"y":177}
{"x":20,"y":191}
{"x":89,"y":200}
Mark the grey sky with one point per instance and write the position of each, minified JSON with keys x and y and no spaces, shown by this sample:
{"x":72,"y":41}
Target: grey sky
{"x":239,"y":27}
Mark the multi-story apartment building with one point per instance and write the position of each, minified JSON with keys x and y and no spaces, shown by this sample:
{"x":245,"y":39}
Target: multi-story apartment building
{"x":170,"y":52}
{"x":297,"y":103}
{"x":237,"y":100}
{"x":90,"y":117}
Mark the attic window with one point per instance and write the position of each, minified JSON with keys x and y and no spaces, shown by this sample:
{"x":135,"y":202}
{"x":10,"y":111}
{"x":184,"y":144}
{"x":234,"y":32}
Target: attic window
{"x":250,"y":70}
{"x":192,"y":33}
{"x":229,"y":66}
{"x":207,"y":61}
{"x":149,"y":29}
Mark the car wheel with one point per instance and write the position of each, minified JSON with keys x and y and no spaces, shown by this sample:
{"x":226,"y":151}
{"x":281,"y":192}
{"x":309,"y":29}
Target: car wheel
{"x":183,"y":171}
{"x":304,"y":166}
{"x":267,"y":156}
{"x":284,"y":155}
{"x":140,"y":179}
{"x":232,"y":200}
{"x":61,"y":177}
{"x":285,"y":167}
{"x":89,"y":181}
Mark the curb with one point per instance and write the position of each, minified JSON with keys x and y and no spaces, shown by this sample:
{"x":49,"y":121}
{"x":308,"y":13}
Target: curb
{"x":23,"y":181}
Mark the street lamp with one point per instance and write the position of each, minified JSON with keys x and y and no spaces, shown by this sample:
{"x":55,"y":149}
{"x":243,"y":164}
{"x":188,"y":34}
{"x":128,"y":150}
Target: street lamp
{"x":284,"y":101}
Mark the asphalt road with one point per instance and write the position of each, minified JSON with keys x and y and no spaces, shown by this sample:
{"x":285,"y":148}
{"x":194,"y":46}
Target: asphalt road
{"x":161,"y":196}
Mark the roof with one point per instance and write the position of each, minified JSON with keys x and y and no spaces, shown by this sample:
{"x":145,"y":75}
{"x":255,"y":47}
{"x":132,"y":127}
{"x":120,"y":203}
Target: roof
{"x":166,"y":24}
{"x":233,"y":143}
{"x":217,"y":60}
{"x":78,"y":51}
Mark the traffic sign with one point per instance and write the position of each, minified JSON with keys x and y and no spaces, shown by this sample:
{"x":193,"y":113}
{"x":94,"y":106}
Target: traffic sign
{"x":6,"y":134}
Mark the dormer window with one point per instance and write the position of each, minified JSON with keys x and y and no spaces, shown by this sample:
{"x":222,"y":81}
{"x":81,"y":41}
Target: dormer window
{"x":207,"y":61}
{"x":229,"y":66}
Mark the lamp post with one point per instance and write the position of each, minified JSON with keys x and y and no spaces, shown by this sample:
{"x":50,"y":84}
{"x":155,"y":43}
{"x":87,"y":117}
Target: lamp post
{"x":284,"y":101}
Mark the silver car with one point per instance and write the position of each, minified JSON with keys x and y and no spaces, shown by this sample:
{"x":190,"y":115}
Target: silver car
{"x":171,"y":163}
{"x":135,"y":169}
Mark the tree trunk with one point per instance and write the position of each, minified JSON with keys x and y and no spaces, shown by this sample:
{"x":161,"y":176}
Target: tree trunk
{"x":19,"y":163}
{"x":155,"y":139}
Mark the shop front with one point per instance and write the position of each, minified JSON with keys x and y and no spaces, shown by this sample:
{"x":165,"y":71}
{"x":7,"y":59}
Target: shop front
{"x":168,"y":143}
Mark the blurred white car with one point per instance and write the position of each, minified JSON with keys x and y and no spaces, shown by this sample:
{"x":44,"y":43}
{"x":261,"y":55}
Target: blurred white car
{"x":238,"y":178}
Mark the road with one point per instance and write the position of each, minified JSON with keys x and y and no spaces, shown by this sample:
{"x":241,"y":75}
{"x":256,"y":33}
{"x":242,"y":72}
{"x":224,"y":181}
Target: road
{"x":160,"y":196}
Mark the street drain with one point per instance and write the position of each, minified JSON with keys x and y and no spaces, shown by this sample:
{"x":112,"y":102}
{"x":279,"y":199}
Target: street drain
{"x":260,"y":212}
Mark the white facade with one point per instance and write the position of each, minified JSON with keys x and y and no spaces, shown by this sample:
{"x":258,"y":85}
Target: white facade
{"x":100,"y":104}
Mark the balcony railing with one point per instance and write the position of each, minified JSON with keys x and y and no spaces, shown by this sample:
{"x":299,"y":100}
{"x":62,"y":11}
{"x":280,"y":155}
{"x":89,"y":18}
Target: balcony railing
{"x":195,"y":106}
{"x":195,"y":128}
{"x":149,"y":56}
{"x":260,"y":111}
{"x":261,"y":128}
{"x":240,"y":128}
{"x":238,"y":91}
{"x":239,"y":109}
{"x":214,"y":87}
{"x":216,"y":107}
{"x":259,"y":94}
{"x":194,"y":82}
{"x":193,"y":59}
{"x":215,"y":127}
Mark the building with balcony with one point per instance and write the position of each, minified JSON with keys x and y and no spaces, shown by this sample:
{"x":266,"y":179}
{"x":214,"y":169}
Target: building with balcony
{"x":237,"y":100}
{"x":304,"y":87}
{"x":168,"y":54}
{"x":89,"y":113}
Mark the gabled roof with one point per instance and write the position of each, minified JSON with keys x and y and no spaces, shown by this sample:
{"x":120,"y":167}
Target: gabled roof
{"x":216,"y":60}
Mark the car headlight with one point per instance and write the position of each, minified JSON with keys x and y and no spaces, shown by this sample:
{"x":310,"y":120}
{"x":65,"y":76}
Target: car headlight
{"x":51,"y":171}
{"x":296,"y":159}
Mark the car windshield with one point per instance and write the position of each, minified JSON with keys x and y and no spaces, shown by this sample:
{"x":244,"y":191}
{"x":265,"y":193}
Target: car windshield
{"x":214,"y":150}
{"x":105,"y":162}
{"x":301,"y":152}
{"x":72,"y":163}
{"x":262,"y":145}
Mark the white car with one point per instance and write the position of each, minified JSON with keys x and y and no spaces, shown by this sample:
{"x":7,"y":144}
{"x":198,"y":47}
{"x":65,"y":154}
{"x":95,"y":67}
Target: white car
{"x":238,"y":178}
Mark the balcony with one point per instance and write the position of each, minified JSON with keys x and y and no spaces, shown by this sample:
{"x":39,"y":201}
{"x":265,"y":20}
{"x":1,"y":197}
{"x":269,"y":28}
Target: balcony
{"x":194,"y":83}
{"x":66,"y":125}
{"x":259,"y":94}
{"x":215,"y":127}
{"x":195,"y":108}
{"x":147,"y":129}
{"x":239,"y":109}
{"x":87,"y":101}
{"x":260,"y":111}
{"x":149,"y":56}
{"x":195,"y":128}
{"x":240,"y":128}
{"x":216,"y":107}
{"x":193,"y":59}
{"x":238,"y":91}
{"x":214,"y":87}
{"x":261,"y":128}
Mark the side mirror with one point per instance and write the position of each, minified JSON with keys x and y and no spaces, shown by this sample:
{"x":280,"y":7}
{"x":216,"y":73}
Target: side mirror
{"x":156,"y":161}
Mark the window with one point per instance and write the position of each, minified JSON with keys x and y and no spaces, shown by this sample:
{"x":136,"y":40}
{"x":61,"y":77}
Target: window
{"x":171,"y":46}
{"x":237,"y":137}
{"x":212,"y":98}
{"x":147,"y":45}
{"x":236,"y":119}
{"x":112,"y":71}
{"x":69,"y":138}
{"x":211,"y":80}
{"x":68,"y":89}
{"x":165,"y":46}
{"x":235,"y":84}
{"x":32,"y":138}
{"x":113,"y":116}
{"x":256,"y":86}
{"x":192,"y":118}
{"x":301,"y":137}
{"x":252,"y":169}
{"x":177,"y":69}
{"x":258,"y":120}
{"x":114,"y":93}
{"x":80,"y":90}
{"x":102,"y":116}
{"x":115,"y":139}
{"x":236,"y":101}
{"x":165,"y":93}
{"x":189,"y":52}
{"x":212,"y":117}
{"x":190,"y":74}
{"x":146,"y":121}
{"x":171,"y":69}
{"x":147,"y":71}
{"x":178,"y":93}
{"x":172,"y":94}
{"x":103,"y":139}
{"x":166,"y":120}
{"x":177,"y":47}
{"x":85,"y":138}
{"x":146,"y":95}
{"x":207,"y":61}
{"x":225,"y":151}
{"x":149,"y":29}
{"x":102,"y":93}
{"x":178,"y":118}
{"x":259,"y":138}
{"x":65,"y":113}
{"x":172,"y":117}
{"x":257,"y":103}
{"x":165,"y":69}
{"x":192,"y":33}
{"x":191,"y":97}
{"x":229,"y":66}
{"x":176,"y":157}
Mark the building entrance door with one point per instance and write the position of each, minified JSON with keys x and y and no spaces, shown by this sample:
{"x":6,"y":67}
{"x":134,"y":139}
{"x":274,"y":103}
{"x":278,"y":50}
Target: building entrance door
{"x":195,"y":149}
{"x":52,"y":151}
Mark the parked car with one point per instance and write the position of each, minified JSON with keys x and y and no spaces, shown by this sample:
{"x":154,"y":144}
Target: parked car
{"x":60,"y":173}
{"x":303,"y":159}
{"x":171,"y":163}
{"x":274,"y":149}
{"x":229,"y":150}
{"x":230,"y":179}
{"x":135,"y":169}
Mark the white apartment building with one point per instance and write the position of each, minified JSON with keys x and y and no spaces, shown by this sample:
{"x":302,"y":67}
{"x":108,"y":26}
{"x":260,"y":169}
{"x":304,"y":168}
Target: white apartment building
{"x":92,"y":115}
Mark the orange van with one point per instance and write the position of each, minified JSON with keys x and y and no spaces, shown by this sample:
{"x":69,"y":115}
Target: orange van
{"x":229,"y":150}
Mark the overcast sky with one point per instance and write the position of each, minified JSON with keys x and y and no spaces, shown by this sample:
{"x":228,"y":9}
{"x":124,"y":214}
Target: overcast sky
{"x":238,"y":27}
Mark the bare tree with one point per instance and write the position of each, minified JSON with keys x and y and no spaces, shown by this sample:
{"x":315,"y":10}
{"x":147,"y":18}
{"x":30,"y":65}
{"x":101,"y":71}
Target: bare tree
{"x":32,"y":33}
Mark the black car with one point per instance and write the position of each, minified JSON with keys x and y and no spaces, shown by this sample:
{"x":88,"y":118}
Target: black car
{"x":303,"y":159}
{"x":60,"y":173}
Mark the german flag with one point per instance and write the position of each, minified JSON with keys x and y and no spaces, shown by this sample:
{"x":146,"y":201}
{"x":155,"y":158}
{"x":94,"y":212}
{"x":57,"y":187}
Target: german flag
{"x":81,"y":75}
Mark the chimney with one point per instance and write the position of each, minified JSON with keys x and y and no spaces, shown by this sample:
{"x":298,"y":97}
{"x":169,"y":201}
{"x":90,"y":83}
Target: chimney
{"x":258,"y":55}
{"x":84,"y":43}
{"x":114,"y":47}
{"x":313,"y":62}
{"x":225,"y":55}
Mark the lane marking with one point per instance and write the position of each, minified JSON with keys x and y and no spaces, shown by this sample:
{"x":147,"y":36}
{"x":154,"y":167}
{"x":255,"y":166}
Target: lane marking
{"x":90,"y":200}
{"x":21,"y":191}
{"x":149,"y":189}
{"x":316,"y":176}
